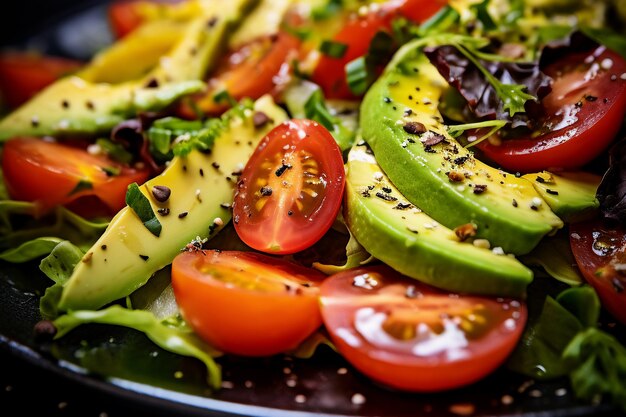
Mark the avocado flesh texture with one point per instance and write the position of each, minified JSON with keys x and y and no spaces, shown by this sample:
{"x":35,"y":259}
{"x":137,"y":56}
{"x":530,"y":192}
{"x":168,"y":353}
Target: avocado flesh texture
{"x":113,"y":268}
{"x":570,"y":195}
{"x":502,"y":213}
{"x":93,"y":107}
{"x":411,"y":242}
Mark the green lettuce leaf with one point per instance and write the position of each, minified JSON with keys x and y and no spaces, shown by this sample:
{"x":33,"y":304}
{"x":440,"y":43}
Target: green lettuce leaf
{"x":170,"y":334}
{"x":564,"y":341}
{"x":32,"y":249}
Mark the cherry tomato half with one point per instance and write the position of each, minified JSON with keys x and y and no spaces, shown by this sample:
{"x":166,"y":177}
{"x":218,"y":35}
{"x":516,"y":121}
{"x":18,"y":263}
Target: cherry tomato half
{"x":54,"y":174}
{"x":24,"y":74}
{"x":410,"y":336}
{"x":246,"y":303}
{"x":357,"y":34}
{"x":259,"y":67}
{"x":581,"y":116}
{"x":290,"y":190}
{"x":600,"y":252}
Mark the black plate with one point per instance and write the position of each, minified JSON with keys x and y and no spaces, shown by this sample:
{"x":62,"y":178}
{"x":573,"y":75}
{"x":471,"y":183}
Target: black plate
{"x":151,"y":381}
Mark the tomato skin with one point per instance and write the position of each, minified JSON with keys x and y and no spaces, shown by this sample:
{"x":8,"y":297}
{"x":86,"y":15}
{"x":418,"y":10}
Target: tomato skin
{"x":256,"y":68}
{"x":358,"y":317}
{"x":247,"y":321}
{"x":291,"y":189}
{"x":24,"y":74}
{"x":357,"y":34}
{"x":124,"y":17}
{"x":597,"y":121}
{"x":598,"y":248}
{"x":48,"y":173}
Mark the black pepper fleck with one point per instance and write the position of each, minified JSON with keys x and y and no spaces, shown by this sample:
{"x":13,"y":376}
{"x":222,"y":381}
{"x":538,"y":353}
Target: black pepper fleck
{"x":161,"y":193}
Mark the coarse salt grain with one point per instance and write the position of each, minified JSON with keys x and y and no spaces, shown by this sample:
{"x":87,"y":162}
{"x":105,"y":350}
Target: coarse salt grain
{"x":358,"y":399}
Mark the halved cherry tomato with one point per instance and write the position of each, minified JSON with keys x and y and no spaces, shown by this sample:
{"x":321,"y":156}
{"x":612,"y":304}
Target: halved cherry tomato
{"x":257,"y":68}
{"x":410,"y":336}
{"x":24,"y":74}
{"x":54,"y":174}
{"x":600,"y":252}
{"x":246,"y":303}
{"x":357,"y":34}
{"x":580,"y":117}
{"x":290,"y":190}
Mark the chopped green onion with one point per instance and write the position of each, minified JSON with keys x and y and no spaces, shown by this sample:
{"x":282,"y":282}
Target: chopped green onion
{"x":483,"y":15}
{"x":442,"y":20}
{"x":323,"y":12}
{"x":224,"y":97}
{"x":140,"y":204}
{"x":357,"y":75}
{"x":333,"y":49}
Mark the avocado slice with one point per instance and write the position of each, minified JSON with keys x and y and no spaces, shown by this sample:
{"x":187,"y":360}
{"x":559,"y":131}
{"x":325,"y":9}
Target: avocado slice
{"x":201,"y":185}
{"x":77,"y":105}
{"x":402,"y":124}
{"x":570,"y":195}
{"x":398,"y":233}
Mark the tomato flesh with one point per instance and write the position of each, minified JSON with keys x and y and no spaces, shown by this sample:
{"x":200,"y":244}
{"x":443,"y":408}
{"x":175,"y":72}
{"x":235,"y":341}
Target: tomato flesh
{"x":246,"y":303}
{"x":22,"y":75}
{"x":357,"y":34}
{"x":256,"y":68}
{"x":580,"y":117}
{"x":600,"y":252}
{"x":410,"y":336}
{"x":52,"y":174}
{"x":290,"y":190}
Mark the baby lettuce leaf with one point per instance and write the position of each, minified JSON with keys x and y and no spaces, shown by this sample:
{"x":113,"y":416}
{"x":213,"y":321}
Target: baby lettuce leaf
{"x":21,"y":221}
{"x":58,"y":266}
{"x":30,"y":250}
{"x":170,"y":334}
{"x":564,"y":341}
{"x":493,"y":89}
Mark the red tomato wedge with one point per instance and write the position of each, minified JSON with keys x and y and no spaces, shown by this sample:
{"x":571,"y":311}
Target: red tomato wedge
{"x":357,"y":34}
{"x":579,"y":119}
{"x":24,"y":74}
{"x":246,"y":303}
{"x":256,"y":68}
{"x":291,"y":189}
{"x":54,"y":174}
{"x":409,"y":336}
{"x":600,"y":252}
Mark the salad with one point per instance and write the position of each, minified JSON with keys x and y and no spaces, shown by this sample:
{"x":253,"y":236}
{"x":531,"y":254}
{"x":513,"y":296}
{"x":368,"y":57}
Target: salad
{"x":432,"y":189}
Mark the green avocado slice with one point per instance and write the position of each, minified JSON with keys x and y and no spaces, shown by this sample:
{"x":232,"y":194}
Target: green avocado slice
{"x":80,"y":105}
{"x":402,"y":124}
{"x":202,"y":187}
{"x":570,"y":195}
{"x":407,"y":239}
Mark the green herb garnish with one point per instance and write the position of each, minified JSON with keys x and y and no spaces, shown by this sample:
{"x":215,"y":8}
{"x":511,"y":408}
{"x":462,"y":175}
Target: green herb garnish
{"x":140,"y":204}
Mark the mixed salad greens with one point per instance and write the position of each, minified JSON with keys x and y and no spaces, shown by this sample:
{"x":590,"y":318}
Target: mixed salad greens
{"x":385,"y":178}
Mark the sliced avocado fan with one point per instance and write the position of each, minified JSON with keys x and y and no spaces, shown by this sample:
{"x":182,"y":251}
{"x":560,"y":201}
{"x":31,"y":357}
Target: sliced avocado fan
{"x":398,"y":233}
{"x":402,"y":124}
{"x":87,"y":103}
